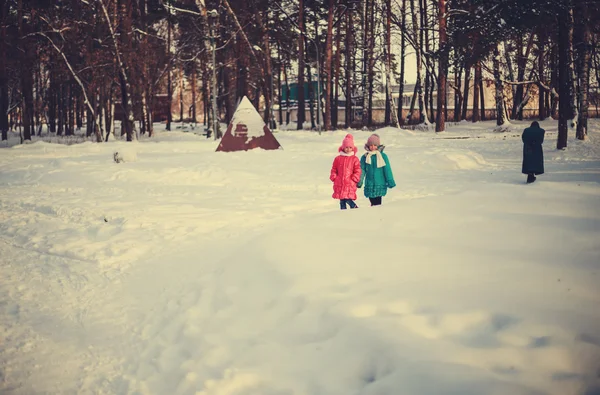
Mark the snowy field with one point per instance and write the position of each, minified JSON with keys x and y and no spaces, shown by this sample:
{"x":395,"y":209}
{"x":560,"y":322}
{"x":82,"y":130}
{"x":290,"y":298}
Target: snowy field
{"x":186,"y":271}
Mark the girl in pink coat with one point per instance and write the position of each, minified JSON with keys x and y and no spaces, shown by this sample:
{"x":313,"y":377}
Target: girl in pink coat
{"x":345,"y":173}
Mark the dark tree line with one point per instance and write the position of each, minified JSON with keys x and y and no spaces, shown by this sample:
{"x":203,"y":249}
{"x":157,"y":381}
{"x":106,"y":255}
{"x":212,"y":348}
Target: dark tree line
{"x":74,"y":64}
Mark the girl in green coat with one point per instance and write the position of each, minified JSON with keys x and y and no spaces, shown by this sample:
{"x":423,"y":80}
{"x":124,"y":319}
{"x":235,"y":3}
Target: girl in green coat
{"x":376,"y":171}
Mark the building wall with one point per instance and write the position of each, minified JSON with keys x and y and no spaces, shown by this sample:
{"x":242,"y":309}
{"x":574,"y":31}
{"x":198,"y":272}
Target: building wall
{"x":379,"y":115}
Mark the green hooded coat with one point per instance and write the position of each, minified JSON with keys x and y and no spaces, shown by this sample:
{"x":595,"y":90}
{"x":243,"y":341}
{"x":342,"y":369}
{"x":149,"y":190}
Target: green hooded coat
{"x":376,"y":180}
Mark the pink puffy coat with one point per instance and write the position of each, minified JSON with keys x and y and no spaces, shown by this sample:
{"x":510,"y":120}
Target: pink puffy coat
{"x":345,"y":174}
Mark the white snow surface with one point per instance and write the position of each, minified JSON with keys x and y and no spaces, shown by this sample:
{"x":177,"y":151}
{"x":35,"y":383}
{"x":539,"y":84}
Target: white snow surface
{"x":247,"y":114}
{"x":187,"y":271}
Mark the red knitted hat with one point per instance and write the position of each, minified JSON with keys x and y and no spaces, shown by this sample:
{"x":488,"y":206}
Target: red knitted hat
{"x":348,"y":142}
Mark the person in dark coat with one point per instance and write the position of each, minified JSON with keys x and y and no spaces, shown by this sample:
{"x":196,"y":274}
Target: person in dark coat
{"x":533,"y":155}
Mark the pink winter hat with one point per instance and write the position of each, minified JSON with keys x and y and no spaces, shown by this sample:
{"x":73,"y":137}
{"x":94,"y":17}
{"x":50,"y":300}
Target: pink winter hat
{"x":348,"y":142}
{"x":373,"y":140}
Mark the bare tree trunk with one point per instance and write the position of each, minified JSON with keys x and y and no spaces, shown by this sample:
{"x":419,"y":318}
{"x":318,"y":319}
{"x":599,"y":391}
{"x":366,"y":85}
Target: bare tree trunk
{"x":476,"y":95}
{"x":542,"y":92}
{"x":583,"y":72}
{"x":500,"y":119}
{"x":521,"y":68}
{"x":38,"y":105}
{"x":181,"y":88}
{"x":424,"y":40}
{"x":169,"y":82}
{"x":328,"y":65}
{"x":349,"y":71}
{"x":371,"y":69}
{"x":279,"y":83}
{"x":465,"y":103}
{"x":482,"y":98}
{"x":301,"y":39}
{"x":311,"y":96}
{"x":336,"y":79}
{"x":287,"y":95}
{"x":554,"y":82}
{"x":458,"y":95}
{"x":440,"y":123}
{"x":387,"y":62}
{"x":122,"y":67}
{"x":26,"y":74}
{"x":418,"y":37}
{"x":60,"y":109}
{"x":565,"y":112}
{"x":413,"y":101}
{"x":193,"y":87}
{"x":573,"y":78}
{"x":52,"y":95}
{"x":145,"y":114}
{"x":518,"y":90}
{"x":267,"y":77}
{"x":71,"y":109}
{"x":78,"y":109}
{"x":366,"y":55}
{"x":390,"y":105}
{"x":4,"y":5}
{"x":402,"y":62}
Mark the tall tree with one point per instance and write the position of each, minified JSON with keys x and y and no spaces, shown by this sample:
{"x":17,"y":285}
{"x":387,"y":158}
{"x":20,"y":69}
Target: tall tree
{"x":349,"y":41}
{"x":4,"y":10}
{"x":565,"y":34}
{"x":301,"y":40}
{"x":582,"y":47}
{"x":28,"y":48}
{"x":328,"y":64}
{"x":440,"y":124}
{"x":500,"y":114}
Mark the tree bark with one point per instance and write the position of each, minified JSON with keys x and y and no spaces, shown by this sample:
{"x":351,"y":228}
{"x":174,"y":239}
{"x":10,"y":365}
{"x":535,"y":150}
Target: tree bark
{"x":500,"y":118}
{"x":440,"y":123}
{"x":328,"y":65}
{"x":4,"y":5}
{"x":371,"y":69}
{"x":476,"y":82}
{"x":565,"y":28}
{"x":465,"y":103}
{"x":336,"y":79}
{"x":458,"y":96}
{"x":402,"y":62}
{"x":311,"y":95}
{"x":481,"y":95}
{"x":349,"y":71}
{"x":301,"y":39}
{"x":267,"y":78}
{"x":583,"y":54}
{"x":418,"y":38}
{"x":279,"y":84}
{"x":169,"y":82}
{"x":365,"y":60}
{"x":124,"y":81}
{"x":26,"y":73}
{"x":181,"y":88}
{"x":542,"y":92}
{"x":194,"y":99}
{"x":390,"y":105}
{"x":287,"y":95}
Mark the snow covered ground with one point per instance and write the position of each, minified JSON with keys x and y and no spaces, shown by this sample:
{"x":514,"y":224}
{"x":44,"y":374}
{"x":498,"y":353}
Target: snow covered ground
{"x":185,"y":271}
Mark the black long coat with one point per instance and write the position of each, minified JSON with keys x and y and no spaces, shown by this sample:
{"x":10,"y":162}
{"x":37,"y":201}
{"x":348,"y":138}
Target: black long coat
{"x":533,"y":155}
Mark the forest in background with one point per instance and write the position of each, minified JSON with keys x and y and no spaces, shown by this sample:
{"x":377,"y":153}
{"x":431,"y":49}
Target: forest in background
{"x":73,"y":64}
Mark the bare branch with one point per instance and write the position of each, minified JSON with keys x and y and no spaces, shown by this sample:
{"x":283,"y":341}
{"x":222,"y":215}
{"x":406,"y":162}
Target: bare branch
{"x":11,"y":109}
{"x":170,"y":7}
{"x":148,"y":34}
{"x":78,"y":80}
